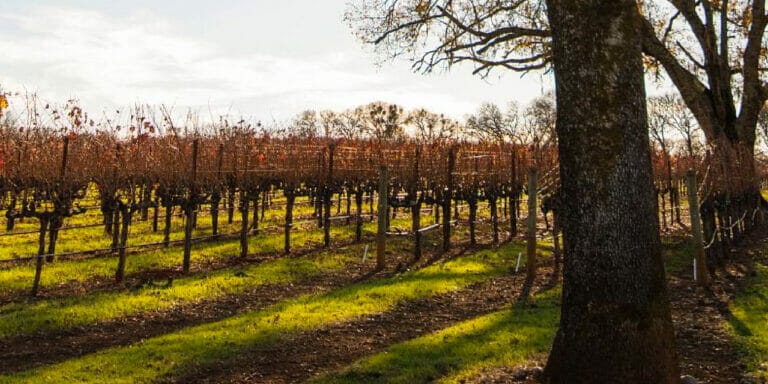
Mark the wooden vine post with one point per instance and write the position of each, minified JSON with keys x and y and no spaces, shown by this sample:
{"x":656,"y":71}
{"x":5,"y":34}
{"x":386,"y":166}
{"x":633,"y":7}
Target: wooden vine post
{"x":471,"y":199}
{"x":447,"y":197}
{"x":216,"y":195}
{"x":126,"y":214}
{"x":697,"y":233}
{"x":60,"y":205}
{"x":531,"y":230}
{"x":168,"y":204}
{"x":513,"y":195}
{"x":290,"y":199}
{"x":327,"y":192}
{"x":155,"y":213}
{"x":245,"y":200}
{"x":44,"y":219}
{"x":358,"y":212}
{"x":189,"y":209}
{"x":381,"y":234}
{"x":415,"y":206}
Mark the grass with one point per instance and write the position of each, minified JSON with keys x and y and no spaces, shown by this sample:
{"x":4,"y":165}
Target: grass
{"x":456,"y":354}
{"x":749,"y":323}
{"x":61,"y":314}
{"x":185,"y":352}
{"x":678,"y":255}
{"x":19,"y":278}
{"x":83,"y":239}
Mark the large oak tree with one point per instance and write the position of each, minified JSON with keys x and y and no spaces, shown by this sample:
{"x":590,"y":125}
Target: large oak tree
{"x":615,"y":325}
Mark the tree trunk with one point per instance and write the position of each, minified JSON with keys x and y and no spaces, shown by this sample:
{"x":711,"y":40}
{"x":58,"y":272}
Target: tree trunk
{"x":115,"y":230}
{"x":230,"y":205}
{"x":266,"y":201}
{"x":190,"y":210}
{"x":446,"y":203}
{"x":472,"y":218}
{"x":615,"y":322}
{"x":255,"y":197}
{"x":416,"y":228}
{"x":530,"y":238}
{"x":327,"y":217}
{"x":358,"y":214}
{"x":494,"y":218}
{"x":125,"y":214}
{"x":108,"y":214}
{"x":168,"y":223}
{"x":10,"y":214}
{"x":381,"y":233}
{"x":53,"y":235}
{"x":40,"y":253}
{"x":349,"y":206}
{"x":290,"y":198}
{"x":215,"y":199}
{"x":155,"y":214}
{"x":146,"y":197}
{"x":244,"y":212}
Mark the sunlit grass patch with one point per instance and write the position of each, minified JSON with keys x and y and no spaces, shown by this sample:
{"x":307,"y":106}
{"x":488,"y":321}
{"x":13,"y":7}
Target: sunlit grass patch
{"x":193,"y":348}
{"x":749,"y":323}
{"x":61,"y":314}
{"x":505,"y":338}
{"x":18,"y":278}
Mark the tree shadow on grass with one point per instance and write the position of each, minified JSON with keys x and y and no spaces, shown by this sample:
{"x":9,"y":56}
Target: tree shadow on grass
{"x":509,"y":337}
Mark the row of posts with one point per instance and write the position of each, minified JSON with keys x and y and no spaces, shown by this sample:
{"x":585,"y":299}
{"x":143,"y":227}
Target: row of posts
{"x":701,"y":274}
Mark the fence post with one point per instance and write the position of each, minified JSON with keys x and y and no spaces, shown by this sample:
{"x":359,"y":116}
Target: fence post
{"x":381,"y":235}
{"x":696,"y":231}
{"x":190,"y":206}
{"x":446,"y":203}
{"x":531,"y":230}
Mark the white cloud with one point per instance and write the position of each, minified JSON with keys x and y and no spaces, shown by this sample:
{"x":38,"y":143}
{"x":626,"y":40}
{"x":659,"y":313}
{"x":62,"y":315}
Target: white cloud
{"x":110,"y":60}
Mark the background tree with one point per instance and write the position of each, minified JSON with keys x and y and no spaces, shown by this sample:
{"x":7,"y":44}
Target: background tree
{"x":306,"y":124}
{"x":681,"y":121}
{"x":538,"y":130}
{"x":429,"y":127}
{"x":660,"y":116}
{"x":491,"y":124}
{"x":383,"y":121}
{"x":347,"y":124}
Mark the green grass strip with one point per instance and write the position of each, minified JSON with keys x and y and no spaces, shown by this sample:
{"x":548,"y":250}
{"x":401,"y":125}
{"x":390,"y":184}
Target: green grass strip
{"x":19,"y":278}
{"x":506,"y":338}
{"x":186,"y":351}
{"x":749,"y":323}
{"x":61,"y":314}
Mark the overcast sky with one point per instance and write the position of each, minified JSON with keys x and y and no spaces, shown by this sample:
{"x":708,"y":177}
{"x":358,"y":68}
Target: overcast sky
{"x":261,"y":59}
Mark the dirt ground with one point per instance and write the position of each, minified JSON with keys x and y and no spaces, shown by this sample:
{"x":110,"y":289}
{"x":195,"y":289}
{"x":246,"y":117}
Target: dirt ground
{"x":703,"y":343}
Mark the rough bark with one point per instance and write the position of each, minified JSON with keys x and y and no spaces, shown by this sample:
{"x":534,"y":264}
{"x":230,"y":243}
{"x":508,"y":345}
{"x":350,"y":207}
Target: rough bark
{"x":615,"y":325}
